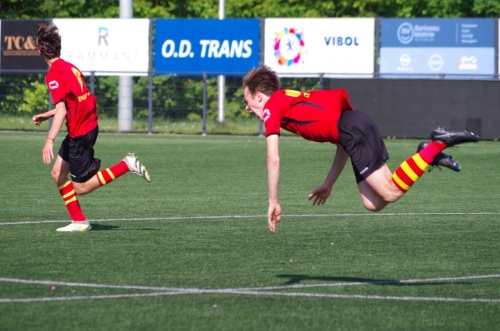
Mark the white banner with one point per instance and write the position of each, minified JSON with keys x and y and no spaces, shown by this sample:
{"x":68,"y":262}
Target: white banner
{"x":113,"y":47}
{"x":311,"y":46}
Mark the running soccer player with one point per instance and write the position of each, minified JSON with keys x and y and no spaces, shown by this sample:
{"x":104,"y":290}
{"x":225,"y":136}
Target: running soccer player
{"x":75,"y":104}
{"x":328,"y":116}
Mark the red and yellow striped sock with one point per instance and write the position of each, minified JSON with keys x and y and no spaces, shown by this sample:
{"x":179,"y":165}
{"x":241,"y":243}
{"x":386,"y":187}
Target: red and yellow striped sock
{"x":413,"y":168}
{"x":68,"y":194}
{"x":110,"y":174}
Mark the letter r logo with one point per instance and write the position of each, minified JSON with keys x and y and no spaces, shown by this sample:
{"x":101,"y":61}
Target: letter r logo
{"x":103,"y":34}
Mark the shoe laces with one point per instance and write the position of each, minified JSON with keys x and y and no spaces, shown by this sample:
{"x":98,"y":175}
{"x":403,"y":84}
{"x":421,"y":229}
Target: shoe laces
{"x":432,"y":166}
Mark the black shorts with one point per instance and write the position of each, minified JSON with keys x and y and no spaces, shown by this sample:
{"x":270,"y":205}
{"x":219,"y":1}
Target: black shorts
{"x":79,"y":153}
{"x":361,"y":139}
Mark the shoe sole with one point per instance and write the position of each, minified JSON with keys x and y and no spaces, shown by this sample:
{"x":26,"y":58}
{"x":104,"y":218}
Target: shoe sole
{"x":453,"y":138}
{"x":79,"y":230}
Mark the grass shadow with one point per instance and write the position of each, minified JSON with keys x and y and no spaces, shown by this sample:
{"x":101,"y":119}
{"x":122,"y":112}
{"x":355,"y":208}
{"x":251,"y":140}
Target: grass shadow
{"x":296,"y":279}
{"x":102,"y":227}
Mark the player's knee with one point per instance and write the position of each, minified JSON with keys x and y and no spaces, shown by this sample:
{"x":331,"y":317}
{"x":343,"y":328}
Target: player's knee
{"x":375,"y":208}
{"x":391,"y":196}
{"x":80,"y":189}
{"x":375,"y":203}
{"x":56,"y":175}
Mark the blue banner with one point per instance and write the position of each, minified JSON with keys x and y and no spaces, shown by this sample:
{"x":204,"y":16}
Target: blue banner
{"x":437,"y":46}
{"x":441,"y":32}
{"x":195,"y":46}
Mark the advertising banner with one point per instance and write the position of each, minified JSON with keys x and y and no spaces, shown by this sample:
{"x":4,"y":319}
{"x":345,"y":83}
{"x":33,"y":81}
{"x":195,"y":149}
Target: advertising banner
{"x":330,"y":46}
{"x":437,"y":46}
{"x":112,"y":47}
{"x":18,"y":49}
{"x":194,"y":46}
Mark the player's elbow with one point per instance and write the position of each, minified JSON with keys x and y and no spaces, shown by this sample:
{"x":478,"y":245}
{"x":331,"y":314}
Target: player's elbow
{"x":61,"y":112}
{"x":60,"y":109}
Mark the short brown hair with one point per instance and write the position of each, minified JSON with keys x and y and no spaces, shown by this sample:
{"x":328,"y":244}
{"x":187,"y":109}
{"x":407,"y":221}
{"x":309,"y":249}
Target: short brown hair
{"x":48,"y":41}
{"x":262,"y":79}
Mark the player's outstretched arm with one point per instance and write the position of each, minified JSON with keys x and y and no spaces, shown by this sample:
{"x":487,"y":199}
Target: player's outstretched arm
{"x":39,"y":118}
{"x":59,"y":117}
{"x":273,"y":176}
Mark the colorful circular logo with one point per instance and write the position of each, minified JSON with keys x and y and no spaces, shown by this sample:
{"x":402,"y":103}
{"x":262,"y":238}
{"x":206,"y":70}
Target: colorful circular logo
{"x":288,"y":46}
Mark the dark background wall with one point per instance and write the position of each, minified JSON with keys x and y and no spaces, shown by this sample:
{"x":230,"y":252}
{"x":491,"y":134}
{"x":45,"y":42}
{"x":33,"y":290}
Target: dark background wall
{"x":410,"y":108}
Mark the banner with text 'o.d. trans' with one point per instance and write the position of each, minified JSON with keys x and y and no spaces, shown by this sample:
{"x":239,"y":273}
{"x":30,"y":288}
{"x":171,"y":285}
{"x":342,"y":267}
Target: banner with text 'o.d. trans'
{"x":330,"y":46}
{"x":212,"y":46}
{"x":115,"y":47}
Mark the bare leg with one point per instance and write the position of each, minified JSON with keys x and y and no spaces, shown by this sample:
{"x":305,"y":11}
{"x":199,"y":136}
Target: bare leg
{"x":59,"y":174}
{"x":60,"y":171}
{"x":86,"y":187}
{"x":378,"y":189}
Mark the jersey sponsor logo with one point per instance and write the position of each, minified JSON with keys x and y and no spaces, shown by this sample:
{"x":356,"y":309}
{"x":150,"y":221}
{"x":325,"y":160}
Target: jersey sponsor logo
{"x":83,"y":97}
{"x":266,"y":114}
{"x":296,"y":94}
{"x":293,"y":93}
{"x":53,"y":85}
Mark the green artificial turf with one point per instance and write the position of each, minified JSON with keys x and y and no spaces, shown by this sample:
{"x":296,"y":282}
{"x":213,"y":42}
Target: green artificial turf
{"x":192,"y":251}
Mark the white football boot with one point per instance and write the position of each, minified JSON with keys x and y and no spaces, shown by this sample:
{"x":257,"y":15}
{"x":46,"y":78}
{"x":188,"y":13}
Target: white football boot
{"x":136,"y":167}
{"x":76,"y":227}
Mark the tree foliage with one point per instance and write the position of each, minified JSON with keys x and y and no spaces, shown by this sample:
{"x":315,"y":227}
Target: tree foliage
{"x":167,"y":90}
{"x":22,"y":9}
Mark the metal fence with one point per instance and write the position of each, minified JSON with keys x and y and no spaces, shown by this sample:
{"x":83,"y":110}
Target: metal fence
{"x":161,"y":104}
{"x":189,"y":104}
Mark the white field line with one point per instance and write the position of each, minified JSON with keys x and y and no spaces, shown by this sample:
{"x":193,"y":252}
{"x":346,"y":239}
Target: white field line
{"x":259,"y":291}
{"x":281,"y":287}
{"x":182,"y":218}
{"x":91,"y":285}
{"x":256,"y":293}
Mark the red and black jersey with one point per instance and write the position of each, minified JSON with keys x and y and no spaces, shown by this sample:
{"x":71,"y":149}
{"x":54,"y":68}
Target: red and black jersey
{"x":66,"y":84}
{"x":312,"y":115}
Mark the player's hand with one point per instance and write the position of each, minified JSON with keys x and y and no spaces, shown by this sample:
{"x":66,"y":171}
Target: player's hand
{"x":320,"y":195}
{"x":47,"y":151}
{"x":38,"y":119}
{"x":273,"y":216}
